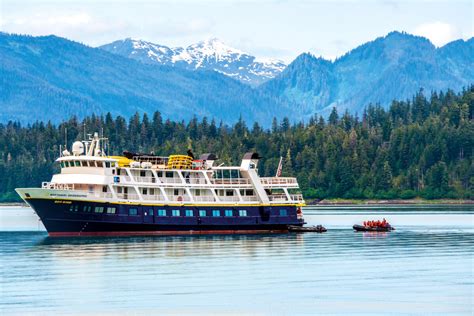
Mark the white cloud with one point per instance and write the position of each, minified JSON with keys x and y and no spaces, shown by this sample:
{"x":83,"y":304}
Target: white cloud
{"x":439,"y":33}
{"x":77,"y":25}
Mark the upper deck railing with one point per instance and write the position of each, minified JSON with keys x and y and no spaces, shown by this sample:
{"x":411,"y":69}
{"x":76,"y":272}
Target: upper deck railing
{"x":274,"y":181}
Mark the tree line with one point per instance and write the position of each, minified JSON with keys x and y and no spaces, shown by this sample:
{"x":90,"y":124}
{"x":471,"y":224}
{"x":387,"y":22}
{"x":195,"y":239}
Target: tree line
{"x":421,"y":147}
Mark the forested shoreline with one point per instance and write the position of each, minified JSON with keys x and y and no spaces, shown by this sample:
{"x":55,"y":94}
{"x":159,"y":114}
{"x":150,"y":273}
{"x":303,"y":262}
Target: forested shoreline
{"x":421,"y":147}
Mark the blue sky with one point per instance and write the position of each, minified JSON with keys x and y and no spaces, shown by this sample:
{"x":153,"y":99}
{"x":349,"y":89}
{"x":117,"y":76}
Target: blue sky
{"x":265,"y":28}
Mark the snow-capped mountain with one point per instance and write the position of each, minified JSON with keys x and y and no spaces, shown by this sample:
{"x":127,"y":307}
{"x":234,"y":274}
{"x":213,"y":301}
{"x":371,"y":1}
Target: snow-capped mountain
{"x":211,"y":54}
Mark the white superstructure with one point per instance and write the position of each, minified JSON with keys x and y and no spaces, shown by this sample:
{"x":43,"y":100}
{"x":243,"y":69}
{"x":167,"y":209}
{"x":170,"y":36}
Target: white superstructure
{"x":88,"y":174}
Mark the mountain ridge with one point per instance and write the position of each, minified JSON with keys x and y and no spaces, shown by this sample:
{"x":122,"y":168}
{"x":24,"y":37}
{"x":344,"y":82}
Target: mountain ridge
{"x":52,"y":78}
{"x":391,"y":67}
{"x":209,"y":54}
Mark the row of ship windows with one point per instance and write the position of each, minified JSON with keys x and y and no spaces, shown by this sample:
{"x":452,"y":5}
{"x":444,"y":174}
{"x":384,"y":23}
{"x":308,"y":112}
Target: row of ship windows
{"x":87,"y":163}
{"x":187,"y":213}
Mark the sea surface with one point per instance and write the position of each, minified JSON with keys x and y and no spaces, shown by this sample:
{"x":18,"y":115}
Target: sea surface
{"x":424,"y":267}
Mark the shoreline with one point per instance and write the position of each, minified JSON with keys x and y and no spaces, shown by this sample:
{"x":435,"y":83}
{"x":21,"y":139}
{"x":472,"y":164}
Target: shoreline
{"x":335,"y":202}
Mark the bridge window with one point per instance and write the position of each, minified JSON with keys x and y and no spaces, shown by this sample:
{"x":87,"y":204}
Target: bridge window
{"x":161,"y":212}
{"x":132,"y":211}
{"x":189,"y":213}
{"x":202,"y":213}
{"x":216,"y":213}
{"x":228,"y":212}
{"x":283,"y":212}
{"x":242,"y":212}
{"x":175,"y":212}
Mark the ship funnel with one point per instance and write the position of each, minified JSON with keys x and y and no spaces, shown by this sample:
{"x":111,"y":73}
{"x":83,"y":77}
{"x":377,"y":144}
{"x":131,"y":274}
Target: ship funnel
{"x":250,"y":161}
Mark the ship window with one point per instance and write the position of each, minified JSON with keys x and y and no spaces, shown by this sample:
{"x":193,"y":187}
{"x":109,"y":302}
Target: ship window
{"x":77,"y":163}
{"x":216,"y":213}
{"x":107,"y":164}
{"x":242,"y":212}
{"x":249,"y":192}
{"x":176,"y":192}
{"x":99,"y":164}
{"x":62,"y":164}
{"x":169,"y":174}
{"x":66,"y":164}
{"x":104,"y":188}
{"x":150,"y":212}
{"x":228,"y":212}
{"x":111,"y":210}
{"x":189,"y":213}
{"x":142,"y":174}
{"x":144,"y":191}
{"x":229,"y":192}
{"x":202,"y":213}
{"x":132,"y":212}
{"x":159,"y":174}
{"x":99,"y":209}
{"x":161,"y":212}
{"x":152,"y":191}
{"x":197,"y":192}
{"x":283,"y":212}
{"x":175,"y":212}
{"x":84,"y":163}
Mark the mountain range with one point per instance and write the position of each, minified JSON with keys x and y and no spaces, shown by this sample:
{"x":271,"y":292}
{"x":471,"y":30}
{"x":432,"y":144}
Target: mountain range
{"x":211,"y":54}
{"x":392,"y":67}
{"x":52,"y":78}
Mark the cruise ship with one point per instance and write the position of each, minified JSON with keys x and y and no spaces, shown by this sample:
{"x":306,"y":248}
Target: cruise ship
{"x":143,"y":194}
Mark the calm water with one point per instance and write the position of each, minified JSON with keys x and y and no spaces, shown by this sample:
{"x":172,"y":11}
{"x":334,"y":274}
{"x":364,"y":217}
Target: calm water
{"x":425,"y":266}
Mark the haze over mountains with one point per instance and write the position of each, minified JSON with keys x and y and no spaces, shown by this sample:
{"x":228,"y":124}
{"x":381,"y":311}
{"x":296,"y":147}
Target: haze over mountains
{"x":52,"y":78}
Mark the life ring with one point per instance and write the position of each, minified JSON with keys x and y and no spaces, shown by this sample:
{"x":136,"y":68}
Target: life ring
{"x":180,"y":198}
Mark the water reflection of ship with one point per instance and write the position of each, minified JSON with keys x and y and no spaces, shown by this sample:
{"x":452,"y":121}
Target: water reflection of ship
{"x":169,"y":246}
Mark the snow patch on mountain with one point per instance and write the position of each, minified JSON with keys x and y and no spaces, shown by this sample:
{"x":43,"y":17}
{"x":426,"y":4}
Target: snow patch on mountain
{"x":210,"y":54}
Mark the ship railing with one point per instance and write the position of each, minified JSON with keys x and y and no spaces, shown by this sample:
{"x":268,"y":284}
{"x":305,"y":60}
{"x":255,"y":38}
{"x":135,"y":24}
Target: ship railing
{"x":146,"y":179}
{"x":229,"y":198}
{"x":230,"y":181}
{"x":156,"y":197}
{"x":278,"y":181}
{"x":171,"y":180}
{"x":278,"y":197}
{"x":57,"y":186}
{"x":125,"y":179}
{"x":297,"y":197}
{"x":204,"y":199}
{"x":195,"y":180}
{"x":128,"y":196}
{"x":100,"y":195}
{"x":250,"y":198}
{"x":179,"y":198}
